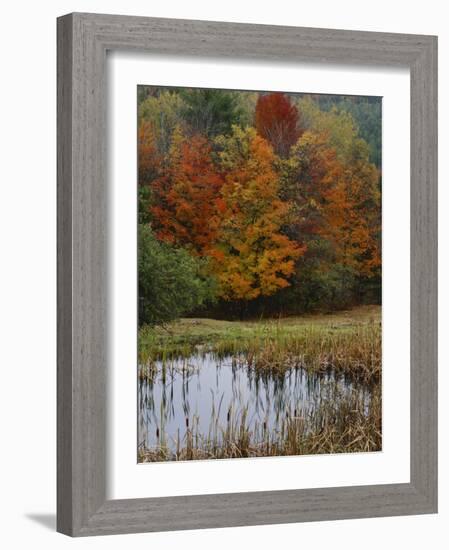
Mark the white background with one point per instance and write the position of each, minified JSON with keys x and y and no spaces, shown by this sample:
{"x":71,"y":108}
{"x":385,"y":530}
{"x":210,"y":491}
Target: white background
{"x":27,"y":300}
{"x":131,"y":480}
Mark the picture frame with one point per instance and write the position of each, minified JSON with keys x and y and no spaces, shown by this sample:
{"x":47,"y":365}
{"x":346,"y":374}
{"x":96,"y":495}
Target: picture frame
{"x":83,"y":40}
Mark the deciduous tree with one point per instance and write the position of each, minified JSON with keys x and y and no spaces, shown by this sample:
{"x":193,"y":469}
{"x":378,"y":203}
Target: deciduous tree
{"x":149,"y":166}
{"x":186,"y":197}
{"x":164,"y":112}
{"x":335,"y":200}
{"x":252,"y":257}
{"x":277,"y":120}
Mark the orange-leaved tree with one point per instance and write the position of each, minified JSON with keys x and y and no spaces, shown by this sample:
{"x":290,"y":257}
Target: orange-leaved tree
{"x":336,"y":199}
{"x":252,"y":257}
{"x":185,"y":198}
{"x":277,"y":120}
{"x":353,"y":221}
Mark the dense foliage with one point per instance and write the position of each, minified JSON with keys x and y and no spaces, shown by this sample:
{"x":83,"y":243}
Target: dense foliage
{"x":277,"y":120}
{"x":171,"y":281}
{"x":257,"y":203}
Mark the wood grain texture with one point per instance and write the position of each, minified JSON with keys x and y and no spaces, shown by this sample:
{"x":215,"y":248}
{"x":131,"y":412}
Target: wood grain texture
{"x":424,"y":252}
{"x":64,"y":277}
{"x":83,"y":40}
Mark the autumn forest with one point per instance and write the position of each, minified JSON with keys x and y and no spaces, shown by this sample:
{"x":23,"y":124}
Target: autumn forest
{"x":259,"y":268}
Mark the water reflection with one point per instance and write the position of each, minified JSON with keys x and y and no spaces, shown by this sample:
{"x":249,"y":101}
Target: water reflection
{"x":205,"y":394}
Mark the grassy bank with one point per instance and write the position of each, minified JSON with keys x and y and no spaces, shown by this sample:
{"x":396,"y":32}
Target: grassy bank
{"x":347,"y":341}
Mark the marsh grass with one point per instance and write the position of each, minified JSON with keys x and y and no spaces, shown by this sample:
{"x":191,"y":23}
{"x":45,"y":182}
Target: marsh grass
{"x":349,"y":342}
{"x":344,"y":426}
{"x":345,"y":344}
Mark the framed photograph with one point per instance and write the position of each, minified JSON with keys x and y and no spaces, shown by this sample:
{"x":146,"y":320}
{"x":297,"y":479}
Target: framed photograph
{"x":247,"y":274}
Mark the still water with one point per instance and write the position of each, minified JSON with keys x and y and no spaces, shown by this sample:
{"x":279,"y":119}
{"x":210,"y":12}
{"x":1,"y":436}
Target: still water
{"x":205,"y":394}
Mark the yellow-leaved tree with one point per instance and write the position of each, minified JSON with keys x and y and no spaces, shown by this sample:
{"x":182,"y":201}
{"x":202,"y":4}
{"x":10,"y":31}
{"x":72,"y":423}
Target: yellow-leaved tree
{"x":252,"y":257}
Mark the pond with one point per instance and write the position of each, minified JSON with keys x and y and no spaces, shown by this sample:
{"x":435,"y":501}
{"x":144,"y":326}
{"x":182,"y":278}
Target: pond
{"x":209,"y":396}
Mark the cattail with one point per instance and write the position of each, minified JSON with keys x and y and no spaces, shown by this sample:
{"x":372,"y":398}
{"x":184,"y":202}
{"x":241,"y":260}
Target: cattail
{"x":157,"y":433}
{"x":187,"y":421}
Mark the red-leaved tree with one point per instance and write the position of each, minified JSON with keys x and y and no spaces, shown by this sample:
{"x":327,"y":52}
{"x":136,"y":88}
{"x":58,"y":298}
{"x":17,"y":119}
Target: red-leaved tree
{"x":277,"y":120}
{"x":186,"y":199}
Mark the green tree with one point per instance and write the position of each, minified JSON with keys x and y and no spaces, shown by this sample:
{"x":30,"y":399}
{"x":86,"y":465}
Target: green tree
{"x":246,"y":107}
{"x":171,"y":282}
{"x":211,"y":112}
{"x":149,"y":166}
{"x":367,"y":114}
{"x":339,"y":126}
{"x":164,"y":113}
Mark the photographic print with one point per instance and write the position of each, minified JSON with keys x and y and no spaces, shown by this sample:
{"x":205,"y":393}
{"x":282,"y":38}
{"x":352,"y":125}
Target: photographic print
{"x":259,"y":274}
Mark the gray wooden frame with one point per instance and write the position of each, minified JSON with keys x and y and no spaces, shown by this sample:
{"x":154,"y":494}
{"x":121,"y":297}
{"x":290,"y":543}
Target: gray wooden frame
{"x":83,"y":40}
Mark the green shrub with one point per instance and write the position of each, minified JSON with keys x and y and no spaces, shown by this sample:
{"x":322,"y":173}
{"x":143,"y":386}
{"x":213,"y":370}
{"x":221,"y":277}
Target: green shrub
{"x":171,"y":282}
